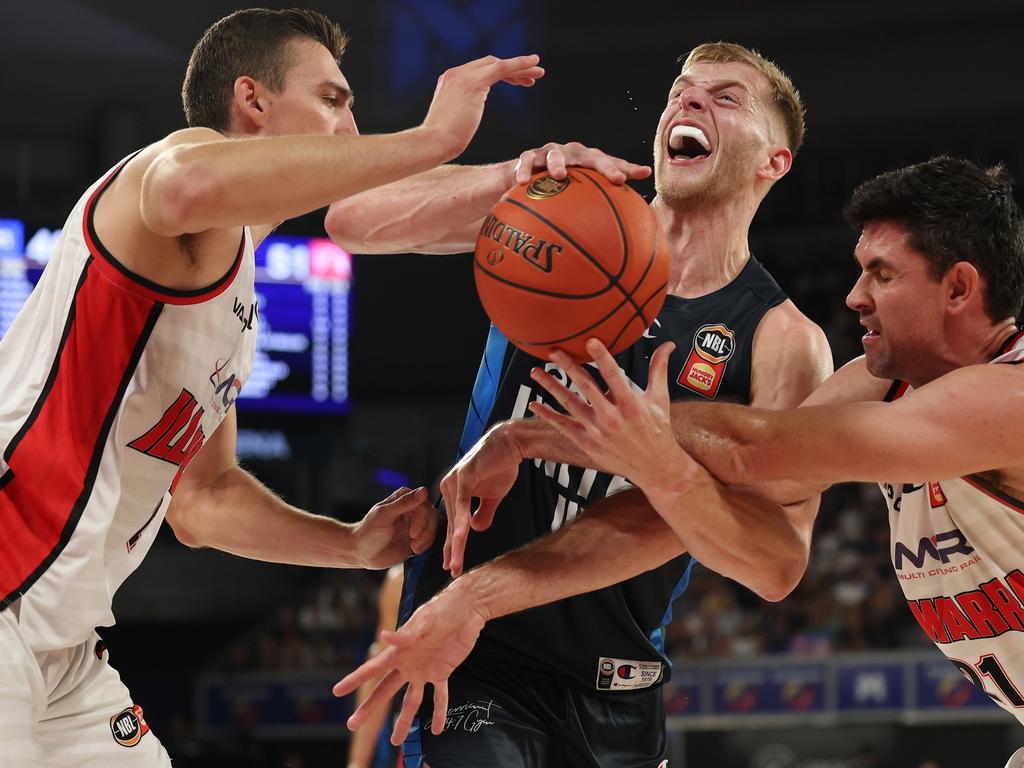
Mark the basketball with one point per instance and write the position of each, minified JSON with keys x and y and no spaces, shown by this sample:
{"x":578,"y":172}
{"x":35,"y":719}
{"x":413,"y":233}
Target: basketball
{"x":560,"y":261}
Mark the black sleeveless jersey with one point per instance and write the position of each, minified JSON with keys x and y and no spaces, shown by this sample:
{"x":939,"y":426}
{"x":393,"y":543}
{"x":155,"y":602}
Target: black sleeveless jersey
{"x":610,"y":639}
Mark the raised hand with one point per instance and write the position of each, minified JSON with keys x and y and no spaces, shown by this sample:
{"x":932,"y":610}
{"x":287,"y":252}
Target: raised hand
{"x":401,"y":525}
{"x":628,"y":433}
{"x":555,"y":158}
{"x":459,"y":98}
{"x":427,"y":649}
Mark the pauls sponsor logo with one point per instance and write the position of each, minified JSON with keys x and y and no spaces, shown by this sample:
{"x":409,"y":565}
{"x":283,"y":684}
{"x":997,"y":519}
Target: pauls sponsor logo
{"x":713,"y":346}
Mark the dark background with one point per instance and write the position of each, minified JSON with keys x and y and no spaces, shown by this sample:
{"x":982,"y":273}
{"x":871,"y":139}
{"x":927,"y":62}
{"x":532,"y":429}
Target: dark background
{"x":88,"y":81}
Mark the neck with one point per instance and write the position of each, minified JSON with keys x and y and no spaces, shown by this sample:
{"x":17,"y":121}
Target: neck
{"x":976,"y":345}
{"x":707,"y":246}
{"x":992,"y":338}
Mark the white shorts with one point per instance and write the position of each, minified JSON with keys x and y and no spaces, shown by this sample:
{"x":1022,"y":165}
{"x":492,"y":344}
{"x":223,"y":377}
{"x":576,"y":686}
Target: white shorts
{"x":67,"y":708}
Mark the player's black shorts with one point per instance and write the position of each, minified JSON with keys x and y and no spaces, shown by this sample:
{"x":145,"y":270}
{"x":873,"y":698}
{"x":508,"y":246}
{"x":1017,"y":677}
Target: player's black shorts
{"x":502,"y":719}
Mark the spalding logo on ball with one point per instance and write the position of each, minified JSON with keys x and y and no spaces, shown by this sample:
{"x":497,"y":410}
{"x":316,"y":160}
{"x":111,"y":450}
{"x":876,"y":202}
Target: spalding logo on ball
{"x":559,"y":261}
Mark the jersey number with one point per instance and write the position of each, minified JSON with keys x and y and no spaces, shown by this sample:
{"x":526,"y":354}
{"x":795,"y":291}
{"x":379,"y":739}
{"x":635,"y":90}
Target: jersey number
{"x":989,"y":666}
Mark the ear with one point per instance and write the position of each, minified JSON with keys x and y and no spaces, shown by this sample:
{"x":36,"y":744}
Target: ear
{"x":779,"y":162}
{"x":250,"y":102}
{"x":963,"y":287}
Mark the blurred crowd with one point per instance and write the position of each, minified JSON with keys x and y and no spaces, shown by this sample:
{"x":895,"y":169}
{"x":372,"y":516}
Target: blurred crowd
{"x":849,"y":599}
{"x":330,"y":628}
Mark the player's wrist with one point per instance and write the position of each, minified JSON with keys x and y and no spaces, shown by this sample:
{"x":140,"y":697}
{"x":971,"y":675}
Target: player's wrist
{"x":514,"y":435}
{"x":668,"y":479}
{"x":347,"y":545}
{"x":473,"y":592}
{"x":441,"y":145}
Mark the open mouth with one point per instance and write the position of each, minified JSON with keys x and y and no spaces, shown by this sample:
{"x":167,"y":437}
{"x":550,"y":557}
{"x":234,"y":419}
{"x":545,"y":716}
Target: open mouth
{"x":688,"y":142}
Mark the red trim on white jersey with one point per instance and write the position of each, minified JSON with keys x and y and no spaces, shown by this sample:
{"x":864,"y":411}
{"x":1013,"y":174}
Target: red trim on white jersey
{"x":53,"y":460}
{"x":1015,"y":504}
{"x":121,"y":276}
{"x":1010,"y":343}
{"x":896,"y":391}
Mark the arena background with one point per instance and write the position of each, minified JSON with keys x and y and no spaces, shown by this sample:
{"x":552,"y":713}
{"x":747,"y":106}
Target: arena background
{"x":232,"y":660}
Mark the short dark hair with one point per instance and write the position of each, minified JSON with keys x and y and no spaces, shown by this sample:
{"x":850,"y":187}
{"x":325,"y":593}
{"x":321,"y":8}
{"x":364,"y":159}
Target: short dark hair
{"x":953,"y":211}
{"x":252,"y":42}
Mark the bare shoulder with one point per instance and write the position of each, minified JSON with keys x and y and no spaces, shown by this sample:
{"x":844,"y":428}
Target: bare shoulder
{"x":791,"y":358}
{"x":135,"y":169}
{"x":852,"y":383}
{"x":121,"y":223}
{"x":123,"y":196}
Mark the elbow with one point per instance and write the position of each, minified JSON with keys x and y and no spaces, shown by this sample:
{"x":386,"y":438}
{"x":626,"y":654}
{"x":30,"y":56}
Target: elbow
{"x":778,"y":581}
{"x":342,"y":226}
{"x":182,"y":521}
{"x":176,"y":193}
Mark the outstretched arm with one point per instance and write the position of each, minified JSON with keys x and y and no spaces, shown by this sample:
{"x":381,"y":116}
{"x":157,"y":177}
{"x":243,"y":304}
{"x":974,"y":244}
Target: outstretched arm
{"x":440,"y":211}
{"x":197,"y":180}
{"x":218,"y":504}
{"x":965,"y":422}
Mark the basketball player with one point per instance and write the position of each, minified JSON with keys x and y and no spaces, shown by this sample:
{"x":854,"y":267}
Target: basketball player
{"x":577,"y":683}
{"x":933,"y":412}
{"x":122,"y":367}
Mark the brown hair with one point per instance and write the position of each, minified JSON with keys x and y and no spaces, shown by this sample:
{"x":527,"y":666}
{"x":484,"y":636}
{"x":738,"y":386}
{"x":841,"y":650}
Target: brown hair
{"x":784,"y":97}
{"x":954,"y":210}
{"x":249,"y":42}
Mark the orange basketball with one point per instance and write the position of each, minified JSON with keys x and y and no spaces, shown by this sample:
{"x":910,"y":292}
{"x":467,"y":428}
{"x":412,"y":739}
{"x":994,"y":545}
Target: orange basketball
{"x":560,"y":261}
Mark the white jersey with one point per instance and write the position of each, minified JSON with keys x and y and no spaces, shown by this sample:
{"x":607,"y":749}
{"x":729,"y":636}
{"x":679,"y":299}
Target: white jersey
{"x":958,"y":550}
{"x":110,"y":385}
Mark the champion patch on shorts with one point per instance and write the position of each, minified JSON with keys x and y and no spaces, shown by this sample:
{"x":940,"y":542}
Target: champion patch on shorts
{"x":128,"y":726}
{"x":627,"y":674}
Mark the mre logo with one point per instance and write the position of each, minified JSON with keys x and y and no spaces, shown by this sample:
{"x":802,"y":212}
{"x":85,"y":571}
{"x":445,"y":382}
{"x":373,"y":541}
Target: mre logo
{"x":937,"y":547}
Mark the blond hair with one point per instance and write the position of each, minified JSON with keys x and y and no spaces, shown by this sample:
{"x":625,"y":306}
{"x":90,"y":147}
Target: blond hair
{"x":784,"y":98}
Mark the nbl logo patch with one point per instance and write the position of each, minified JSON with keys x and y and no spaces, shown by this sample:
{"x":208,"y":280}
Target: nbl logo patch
{"x":713,"y":345}
{"x":128,"y":726}
{"x":936,"y":498}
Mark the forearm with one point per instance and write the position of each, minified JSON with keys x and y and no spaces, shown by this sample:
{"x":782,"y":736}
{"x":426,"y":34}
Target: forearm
{"x":740,"y":534}
{"x":239,"y":515}
{"x":235,"y":182}
{"x":416,"y":212}
{"x":755,"y":448}
{"x":533,"y":438}
{"x":618,"y":538}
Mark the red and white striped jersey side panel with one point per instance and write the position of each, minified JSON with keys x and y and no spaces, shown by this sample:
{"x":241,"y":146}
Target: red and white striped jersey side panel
{"x":110,"y":385}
